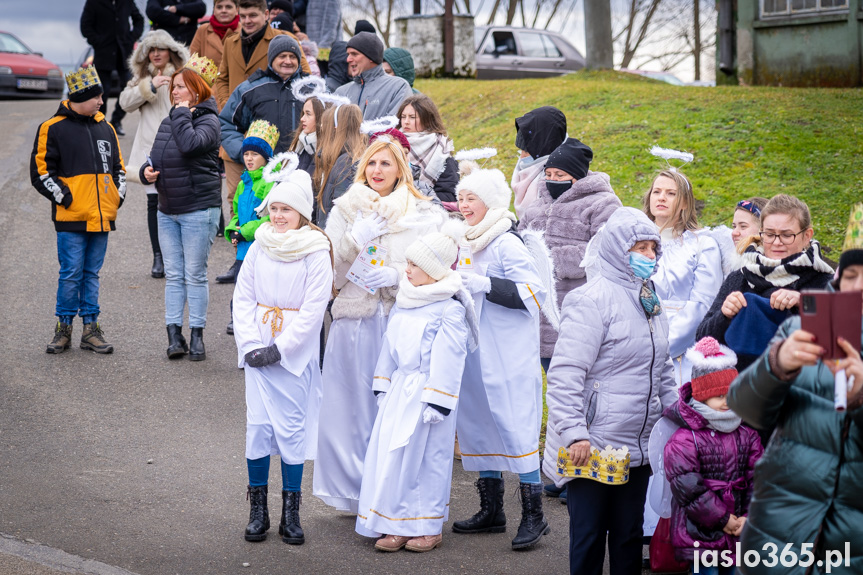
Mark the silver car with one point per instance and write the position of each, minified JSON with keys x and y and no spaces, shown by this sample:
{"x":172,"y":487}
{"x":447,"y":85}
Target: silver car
{"x":514,"y":52}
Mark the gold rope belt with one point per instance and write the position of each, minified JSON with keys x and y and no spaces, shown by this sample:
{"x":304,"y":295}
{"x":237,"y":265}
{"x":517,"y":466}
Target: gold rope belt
{"x":275,"y":317}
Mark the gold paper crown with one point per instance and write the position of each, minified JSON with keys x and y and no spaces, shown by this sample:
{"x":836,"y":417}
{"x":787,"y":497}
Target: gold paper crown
{"x":204,"y":67}
{"x":81,"y":79}
{"x":854,"y":234}
{"x":610,"y":469}
{"x":265,"y":131}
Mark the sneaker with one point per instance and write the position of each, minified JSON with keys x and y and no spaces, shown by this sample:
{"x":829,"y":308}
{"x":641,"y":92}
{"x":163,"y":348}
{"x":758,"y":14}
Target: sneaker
{"x":62,"y":338}
{"x":93,"y":339}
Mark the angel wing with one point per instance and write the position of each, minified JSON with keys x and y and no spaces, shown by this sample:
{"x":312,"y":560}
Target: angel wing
{"x":466,"y":300}
{"x":535,"y":244}
{"x":730,"y":258}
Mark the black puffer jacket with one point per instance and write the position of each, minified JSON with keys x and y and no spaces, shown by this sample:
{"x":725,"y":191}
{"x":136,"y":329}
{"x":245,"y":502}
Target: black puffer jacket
{"x":186,"y":155}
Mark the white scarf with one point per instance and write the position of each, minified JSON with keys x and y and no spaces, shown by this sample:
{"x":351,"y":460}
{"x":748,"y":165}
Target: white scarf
{"x":721,"y":421}
{"x":307,"y":143}
{"x":525,"y":183}
{"x":410,"y":296}
{"x":292,"y":245}
{"x":497,"y":221}
{"x":399,"y":207}
{"x":429,"y":151}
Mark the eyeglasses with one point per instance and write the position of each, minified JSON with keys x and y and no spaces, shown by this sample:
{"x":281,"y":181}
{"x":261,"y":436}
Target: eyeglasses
{"x":749,"y":207}
{"x":786,"y":238}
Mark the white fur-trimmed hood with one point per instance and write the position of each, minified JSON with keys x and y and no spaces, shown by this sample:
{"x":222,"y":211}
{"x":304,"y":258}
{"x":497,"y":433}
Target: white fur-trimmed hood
{"x":139,"y":64}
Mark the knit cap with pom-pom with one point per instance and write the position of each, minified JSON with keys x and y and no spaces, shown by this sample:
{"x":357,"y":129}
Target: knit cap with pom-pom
{"x":435,"y":253}
{"x":713,"y":368}
{"x":489,"y":186}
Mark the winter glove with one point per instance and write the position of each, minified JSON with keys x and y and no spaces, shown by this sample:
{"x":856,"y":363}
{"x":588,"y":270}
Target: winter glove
{"x":380,"y":398}
{"x":235,"y":235}
{"x":382,"y":277}
{"x":67,"y":200}
{"x":432,"y":415}
{"x":366,"y":229}
{"x":263,"y":356}
{"x":475,"y":283}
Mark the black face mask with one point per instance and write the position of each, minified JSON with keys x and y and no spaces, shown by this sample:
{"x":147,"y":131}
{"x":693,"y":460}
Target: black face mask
{"x":556,"y":189}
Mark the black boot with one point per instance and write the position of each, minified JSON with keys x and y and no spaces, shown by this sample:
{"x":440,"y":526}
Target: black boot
{"x":289,"y":526}
{"x":177,"y":346}
{"x":196,"y":344}
{"x":230,"y":276}
{"x":158,"y":270}
{"x":533,"y":524}
{"x":490,"y":518}
{"x":259,"y":515}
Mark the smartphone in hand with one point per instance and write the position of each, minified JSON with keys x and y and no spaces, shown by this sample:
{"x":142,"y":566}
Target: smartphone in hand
{"x":829,"y":316}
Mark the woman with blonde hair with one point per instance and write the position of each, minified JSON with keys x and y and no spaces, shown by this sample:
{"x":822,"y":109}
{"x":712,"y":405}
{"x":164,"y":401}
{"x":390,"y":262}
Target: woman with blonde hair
{"x":382,"y":213}
{"x":777,"y":264}
{"x":341,"y":145}
{"x":690,"y":272}
{"x":156,"y":57}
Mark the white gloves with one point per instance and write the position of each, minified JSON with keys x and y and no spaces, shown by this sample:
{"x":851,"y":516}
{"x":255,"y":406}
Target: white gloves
{"x":366,"y":229}
{"x":380,"y":398}
{"x":432,"y":415}
{"x":382,"y":277}
{"x":475,"y":283}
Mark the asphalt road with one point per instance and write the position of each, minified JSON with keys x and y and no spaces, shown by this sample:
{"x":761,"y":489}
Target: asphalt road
{"x":133,"y":462}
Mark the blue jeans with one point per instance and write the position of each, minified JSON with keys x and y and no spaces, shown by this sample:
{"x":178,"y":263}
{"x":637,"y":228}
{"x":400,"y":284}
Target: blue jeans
{"x":185,"y":240}
{"x":81,"y":255}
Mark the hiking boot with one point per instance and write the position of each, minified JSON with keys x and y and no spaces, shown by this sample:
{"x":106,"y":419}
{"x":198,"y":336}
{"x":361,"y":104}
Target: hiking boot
{"x":289,"y":525}
{"x":490,"y":518}
{"x":62,"y":338}
{"x":93,"y":339}
{"x":533,"y":524}
{"x":259,"y":515}
{"x":391,"y":543}
{"x":424,"y":543}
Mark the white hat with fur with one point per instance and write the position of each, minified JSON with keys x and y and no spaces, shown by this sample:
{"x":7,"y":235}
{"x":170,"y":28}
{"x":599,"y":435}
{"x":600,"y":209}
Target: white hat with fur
{"x":489,"y":185}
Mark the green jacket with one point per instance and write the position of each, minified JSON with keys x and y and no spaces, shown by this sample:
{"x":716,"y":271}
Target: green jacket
{"x":809,"y":484}
{"x":245,"y":220}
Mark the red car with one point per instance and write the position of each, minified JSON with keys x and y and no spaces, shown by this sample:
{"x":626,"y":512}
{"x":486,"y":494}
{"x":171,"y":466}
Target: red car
{"x":26,"y":74}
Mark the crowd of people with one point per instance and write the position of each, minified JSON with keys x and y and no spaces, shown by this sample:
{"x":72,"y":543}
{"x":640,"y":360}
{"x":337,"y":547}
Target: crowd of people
{"x":387,"y":297}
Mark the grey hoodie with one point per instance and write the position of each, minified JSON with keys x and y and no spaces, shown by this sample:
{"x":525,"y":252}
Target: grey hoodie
{"x":611,"y":376}
{"x":376,"y":93}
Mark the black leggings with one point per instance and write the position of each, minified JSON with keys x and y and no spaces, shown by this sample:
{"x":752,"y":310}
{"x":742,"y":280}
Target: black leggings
{"x":152,"y":223}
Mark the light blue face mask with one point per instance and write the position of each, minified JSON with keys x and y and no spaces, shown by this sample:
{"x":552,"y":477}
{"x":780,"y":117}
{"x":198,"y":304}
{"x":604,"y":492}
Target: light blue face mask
{"x":642,"y":266}
{"x":527,"y":162}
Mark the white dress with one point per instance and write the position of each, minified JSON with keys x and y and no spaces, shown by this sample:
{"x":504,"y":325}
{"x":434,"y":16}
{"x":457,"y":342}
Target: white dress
{"x":355,"y":336}
{"x":408,"y":466}
{"x":283,"y":399}
{"x":500,"y":409}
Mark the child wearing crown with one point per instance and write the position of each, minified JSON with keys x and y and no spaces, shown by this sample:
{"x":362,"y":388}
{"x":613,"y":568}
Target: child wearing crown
{"x":253,"y":188}
{"x":408,"y":466}
{"x":710,"y":460}
{"x":77,"y":164}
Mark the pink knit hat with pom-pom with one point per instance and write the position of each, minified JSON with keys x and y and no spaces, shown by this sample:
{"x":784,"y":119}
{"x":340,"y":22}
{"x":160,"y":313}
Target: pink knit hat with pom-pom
{"x":713,"y":368}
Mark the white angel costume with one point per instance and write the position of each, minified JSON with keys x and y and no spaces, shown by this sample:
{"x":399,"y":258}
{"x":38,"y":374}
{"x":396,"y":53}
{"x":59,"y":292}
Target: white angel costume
{"x":280,"y":298}
{"x":355,"y":336}
{"x":408,"y":465}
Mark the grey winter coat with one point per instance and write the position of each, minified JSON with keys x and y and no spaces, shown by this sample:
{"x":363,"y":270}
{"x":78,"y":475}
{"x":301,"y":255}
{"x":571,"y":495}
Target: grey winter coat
{"x":569,"y":222}
{"x":376,"y":93}
{"x":324,"y":22}
{"x":611,"y":376}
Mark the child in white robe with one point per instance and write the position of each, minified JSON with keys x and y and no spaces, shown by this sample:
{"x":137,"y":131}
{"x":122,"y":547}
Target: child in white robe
{"x":408,"y":466}
{"x":279,"y":302}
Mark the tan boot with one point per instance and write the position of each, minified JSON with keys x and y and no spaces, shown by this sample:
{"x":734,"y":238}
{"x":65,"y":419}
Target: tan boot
{"x":391,"y":543}
{"x":456,"y":450}
{"x":93,"y":339}
{"x":62,"y":338}
{"x":424,"y":543}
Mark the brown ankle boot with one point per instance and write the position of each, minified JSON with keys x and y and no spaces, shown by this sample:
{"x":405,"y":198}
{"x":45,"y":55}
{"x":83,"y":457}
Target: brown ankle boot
{"x":93,"y":339}
{"x":62,"y":338}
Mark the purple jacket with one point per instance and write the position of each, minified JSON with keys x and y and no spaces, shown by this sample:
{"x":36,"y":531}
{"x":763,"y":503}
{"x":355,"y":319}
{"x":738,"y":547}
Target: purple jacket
{"x":709,"y":481}
{"x":569,"y":222}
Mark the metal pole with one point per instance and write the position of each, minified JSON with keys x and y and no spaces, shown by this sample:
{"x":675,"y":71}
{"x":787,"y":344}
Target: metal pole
{"x":448,"y":38}
{"x":418,"y":7}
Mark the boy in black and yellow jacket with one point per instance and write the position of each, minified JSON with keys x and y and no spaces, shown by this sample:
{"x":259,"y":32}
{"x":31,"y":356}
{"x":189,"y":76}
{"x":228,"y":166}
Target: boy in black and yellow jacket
{"x":77,"y":164}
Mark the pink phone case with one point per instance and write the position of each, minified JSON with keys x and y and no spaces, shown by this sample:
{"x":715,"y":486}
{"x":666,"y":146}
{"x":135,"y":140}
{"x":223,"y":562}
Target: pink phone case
{"x":829,"y":316}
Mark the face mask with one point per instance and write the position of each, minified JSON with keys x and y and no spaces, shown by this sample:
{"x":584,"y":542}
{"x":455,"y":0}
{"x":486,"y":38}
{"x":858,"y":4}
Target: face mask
{"x":525,"y":162}
{"x":641,"y":266}
{"x":556,"y":189}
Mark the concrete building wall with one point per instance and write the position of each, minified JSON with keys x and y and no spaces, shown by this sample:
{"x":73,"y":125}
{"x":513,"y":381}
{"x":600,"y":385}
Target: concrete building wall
{"x":422,"y":36}
{"x":799,"y":50}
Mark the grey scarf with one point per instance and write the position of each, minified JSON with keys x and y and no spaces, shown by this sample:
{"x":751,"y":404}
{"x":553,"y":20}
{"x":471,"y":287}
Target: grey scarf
{"x":721,"y":421}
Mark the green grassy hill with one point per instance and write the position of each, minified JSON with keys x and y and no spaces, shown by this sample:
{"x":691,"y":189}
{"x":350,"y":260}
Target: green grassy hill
{"x":746,"y":141}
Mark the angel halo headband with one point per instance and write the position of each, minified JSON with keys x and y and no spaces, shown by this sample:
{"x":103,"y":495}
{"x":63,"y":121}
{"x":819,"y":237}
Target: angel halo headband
{"x":475,"y":154}
{"x":669,"y":154}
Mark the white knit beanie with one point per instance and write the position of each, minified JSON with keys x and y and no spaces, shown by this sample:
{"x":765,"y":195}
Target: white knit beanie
{"x":435,"y":253}
{"x":295,"y":190}
{"x":489,"y":185}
